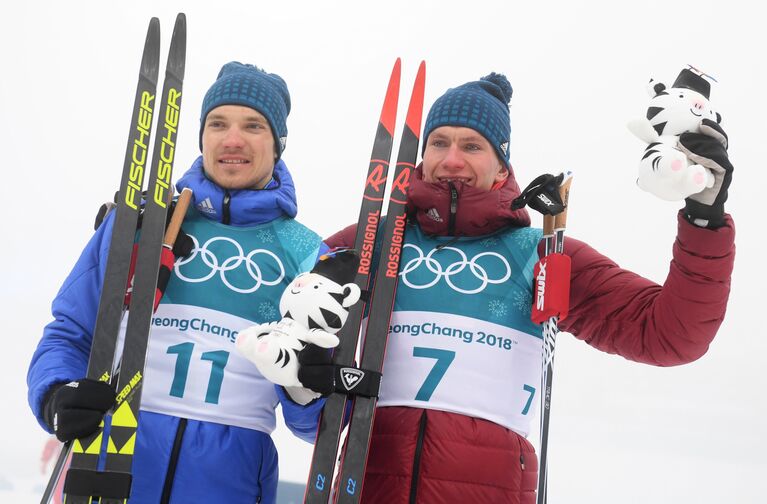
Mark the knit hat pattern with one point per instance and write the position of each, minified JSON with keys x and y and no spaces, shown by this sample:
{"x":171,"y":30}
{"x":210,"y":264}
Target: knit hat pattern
{"x":247,"y":85}
{"x":481,"y":105}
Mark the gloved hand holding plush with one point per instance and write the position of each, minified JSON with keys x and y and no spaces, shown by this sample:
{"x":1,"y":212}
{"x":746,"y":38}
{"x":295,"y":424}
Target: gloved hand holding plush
{"x":314,"y":307}
{"x":74,"y":410}
{"x":665,"y":170}
{"x":708,"y":148}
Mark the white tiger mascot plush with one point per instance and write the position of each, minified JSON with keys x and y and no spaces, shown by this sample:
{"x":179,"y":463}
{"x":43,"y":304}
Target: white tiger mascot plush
{"x":664,"y":170}
{"x":314,"y":306}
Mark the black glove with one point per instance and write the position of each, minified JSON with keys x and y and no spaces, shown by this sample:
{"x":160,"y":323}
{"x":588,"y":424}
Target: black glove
{"x":709,"y":149}
{"x":74,"y":410}
{"x":542,"y":195}
{"x":317,"y":372}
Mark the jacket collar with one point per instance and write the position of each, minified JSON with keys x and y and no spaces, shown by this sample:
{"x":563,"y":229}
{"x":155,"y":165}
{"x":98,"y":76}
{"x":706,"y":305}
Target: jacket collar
{"x":475,"y":211}
{"x":242,"y":207}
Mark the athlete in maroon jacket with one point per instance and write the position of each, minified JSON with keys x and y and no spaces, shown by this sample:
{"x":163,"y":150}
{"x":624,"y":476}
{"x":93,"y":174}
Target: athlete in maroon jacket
{"x":459,"y":448}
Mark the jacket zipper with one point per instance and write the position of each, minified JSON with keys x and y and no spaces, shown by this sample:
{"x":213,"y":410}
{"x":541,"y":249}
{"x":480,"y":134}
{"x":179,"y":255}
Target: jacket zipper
{"x":453,"y":209}
{"x":226,"y":218}
{"x":417,"y":458}
{"x":173,"y":462}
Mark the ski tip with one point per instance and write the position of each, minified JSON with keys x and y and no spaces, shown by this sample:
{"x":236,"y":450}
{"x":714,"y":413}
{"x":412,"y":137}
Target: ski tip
{"x":177,"y":54}
{"x":150,"y":60}
{"x":180,"y":25}
{"x":397,"y":67}
{"x":415,"y":109}
{"x":153,"y":32}
{"x":389,"y":110}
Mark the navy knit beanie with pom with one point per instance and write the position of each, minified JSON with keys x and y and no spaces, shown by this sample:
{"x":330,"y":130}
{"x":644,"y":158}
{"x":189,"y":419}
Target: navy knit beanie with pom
{"x":242,"y":84}
{"x":481,"y":105}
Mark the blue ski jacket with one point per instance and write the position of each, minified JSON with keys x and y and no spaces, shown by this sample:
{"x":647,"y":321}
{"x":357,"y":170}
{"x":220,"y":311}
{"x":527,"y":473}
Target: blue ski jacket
{"x":206,"y":413}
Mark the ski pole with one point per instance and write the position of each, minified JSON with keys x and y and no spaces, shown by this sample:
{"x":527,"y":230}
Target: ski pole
{"x":554,"y":238}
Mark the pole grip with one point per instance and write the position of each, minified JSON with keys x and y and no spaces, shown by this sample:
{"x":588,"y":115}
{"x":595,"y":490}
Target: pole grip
{"x":560,"y":220}
{"x":178,"y":217}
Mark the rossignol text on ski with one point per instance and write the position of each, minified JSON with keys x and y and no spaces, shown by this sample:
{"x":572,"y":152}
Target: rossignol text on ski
{"x":379,"y":307}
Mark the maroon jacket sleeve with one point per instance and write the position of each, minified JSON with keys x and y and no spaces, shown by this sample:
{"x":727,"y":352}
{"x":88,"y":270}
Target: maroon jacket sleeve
{"x":620,"y":312}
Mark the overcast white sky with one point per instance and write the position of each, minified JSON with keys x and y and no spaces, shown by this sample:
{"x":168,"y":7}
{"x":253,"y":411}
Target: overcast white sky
{"x":620,"y":432}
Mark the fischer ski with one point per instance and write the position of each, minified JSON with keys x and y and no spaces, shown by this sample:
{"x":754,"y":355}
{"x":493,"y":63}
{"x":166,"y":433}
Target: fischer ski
{"x":84,"y":483}
{"x":121,"y":246}
{"x":355,"y":455}
{"x":331,"y":422}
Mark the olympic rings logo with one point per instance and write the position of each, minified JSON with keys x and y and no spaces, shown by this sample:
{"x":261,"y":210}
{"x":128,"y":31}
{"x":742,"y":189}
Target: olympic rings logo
{"x":473,"y":265}
{"x":229,"y":264}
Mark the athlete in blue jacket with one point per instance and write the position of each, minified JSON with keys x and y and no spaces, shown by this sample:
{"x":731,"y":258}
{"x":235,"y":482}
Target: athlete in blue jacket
{"x":206,"y":412}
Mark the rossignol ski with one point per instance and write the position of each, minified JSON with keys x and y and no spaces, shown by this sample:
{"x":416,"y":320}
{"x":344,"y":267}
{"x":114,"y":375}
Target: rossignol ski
{"x":379,"y":305}
{"x":121,"y":246}
{"x":354,"y":459}
{"x":331,"y":422}
{"x":554,"y":239}
{"x":84,"y":482}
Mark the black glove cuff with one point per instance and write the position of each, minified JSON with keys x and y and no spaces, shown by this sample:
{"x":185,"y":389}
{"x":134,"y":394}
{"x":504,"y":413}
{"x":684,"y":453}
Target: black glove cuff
{"x":354,"y":381}
{"x":48,"y":407}
{"x":708,"y":216}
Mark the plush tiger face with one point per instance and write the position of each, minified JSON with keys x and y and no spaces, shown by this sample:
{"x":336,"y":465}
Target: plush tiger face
{"x":318,"y":302}
{"x":675,"y":110}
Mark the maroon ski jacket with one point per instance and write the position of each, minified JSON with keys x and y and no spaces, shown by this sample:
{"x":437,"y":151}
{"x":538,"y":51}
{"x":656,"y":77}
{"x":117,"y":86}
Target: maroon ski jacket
{"x":429,"y":456}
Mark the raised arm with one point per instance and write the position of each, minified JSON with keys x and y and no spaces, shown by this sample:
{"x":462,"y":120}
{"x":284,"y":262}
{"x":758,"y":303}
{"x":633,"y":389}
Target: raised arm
{"x":620,"y":312}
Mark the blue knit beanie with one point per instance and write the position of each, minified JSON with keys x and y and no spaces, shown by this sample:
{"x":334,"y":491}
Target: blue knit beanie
{"x":248,"y":85}
{"x":481,"y":105}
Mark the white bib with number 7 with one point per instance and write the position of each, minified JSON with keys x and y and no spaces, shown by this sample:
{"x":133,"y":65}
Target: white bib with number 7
{"x":463,"y":365}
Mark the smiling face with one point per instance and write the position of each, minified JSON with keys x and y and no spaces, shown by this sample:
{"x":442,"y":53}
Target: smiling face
{"x":676,"y":110}
{"x":238,"y":148}
{"x":463,"y":155}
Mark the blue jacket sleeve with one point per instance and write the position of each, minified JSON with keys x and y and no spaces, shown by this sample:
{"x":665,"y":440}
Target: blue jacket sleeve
{"x":301,"y":420}
{"x":62,"y":353}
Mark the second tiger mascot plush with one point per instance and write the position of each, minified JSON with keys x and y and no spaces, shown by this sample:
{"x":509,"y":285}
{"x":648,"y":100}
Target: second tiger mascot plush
{"x":313,"y":307}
